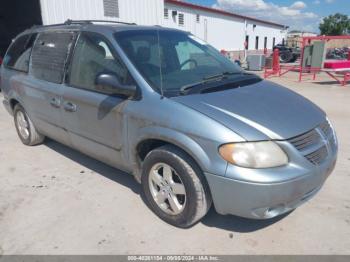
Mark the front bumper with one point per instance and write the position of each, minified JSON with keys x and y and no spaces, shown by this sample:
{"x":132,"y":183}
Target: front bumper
{"x":260,"y":200}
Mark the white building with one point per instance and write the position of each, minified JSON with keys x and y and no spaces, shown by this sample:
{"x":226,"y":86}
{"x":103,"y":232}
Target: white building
{"x":223,"y":30}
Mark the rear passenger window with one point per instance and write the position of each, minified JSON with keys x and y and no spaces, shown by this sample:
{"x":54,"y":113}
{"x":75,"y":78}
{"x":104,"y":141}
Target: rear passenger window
{"x":93,"y":56}
{"x":18,"y":55}
{"x":49,"y":56}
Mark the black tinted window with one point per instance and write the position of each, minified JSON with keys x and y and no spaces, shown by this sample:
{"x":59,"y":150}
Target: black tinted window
{"x":93,"y":56}
{"x":50,"y":54}
{"x":18,"y":54}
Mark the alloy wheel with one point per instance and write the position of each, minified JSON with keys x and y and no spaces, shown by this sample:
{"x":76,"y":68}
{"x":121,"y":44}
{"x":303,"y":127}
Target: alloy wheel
{"x":167,"y":189}
{"x":22,"y":124}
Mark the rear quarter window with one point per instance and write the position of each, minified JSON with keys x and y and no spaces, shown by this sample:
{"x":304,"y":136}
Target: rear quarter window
{"x":50,"y":54}
{"x":18,"y":55}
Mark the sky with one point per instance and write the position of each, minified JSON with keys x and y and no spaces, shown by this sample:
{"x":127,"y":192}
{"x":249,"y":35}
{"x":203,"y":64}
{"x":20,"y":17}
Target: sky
{"x":299,"y":15}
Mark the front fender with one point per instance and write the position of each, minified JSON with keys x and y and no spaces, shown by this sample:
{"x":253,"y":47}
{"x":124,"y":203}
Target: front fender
{"x":204,"y":154}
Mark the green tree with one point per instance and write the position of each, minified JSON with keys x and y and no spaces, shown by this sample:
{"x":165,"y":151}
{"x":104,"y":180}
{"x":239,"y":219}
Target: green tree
{"x":337,"y":24}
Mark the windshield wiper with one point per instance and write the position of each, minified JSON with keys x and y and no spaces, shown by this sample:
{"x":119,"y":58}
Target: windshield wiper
{"x":222,"y":75}
{"x":208,"y":79}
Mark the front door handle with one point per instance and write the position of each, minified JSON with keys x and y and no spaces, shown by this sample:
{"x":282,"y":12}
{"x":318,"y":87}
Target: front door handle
{"x":70,"y":107}
{"x":55,"y":102}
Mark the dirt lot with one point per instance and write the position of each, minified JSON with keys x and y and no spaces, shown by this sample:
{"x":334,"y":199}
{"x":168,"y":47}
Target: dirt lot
{"x":54,"y":200}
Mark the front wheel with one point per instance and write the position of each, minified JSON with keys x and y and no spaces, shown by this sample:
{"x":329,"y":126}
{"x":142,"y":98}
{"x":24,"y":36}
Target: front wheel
{"x":175,"y":187}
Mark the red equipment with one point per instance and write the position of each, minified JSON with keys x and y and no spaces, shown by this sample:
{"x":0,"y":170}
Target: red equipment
{"x":332,"y":72}
{"x":275,"y":64}
{"x":276,"y":61}
{"x":337,"y":64}
{"x":245,"y":45}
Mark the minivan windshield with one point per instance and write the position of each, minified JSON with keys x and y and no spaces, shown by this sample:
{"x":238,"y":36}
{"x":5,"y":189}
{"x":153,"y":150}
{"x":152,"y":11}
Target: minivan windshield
{"x":173,"y":61}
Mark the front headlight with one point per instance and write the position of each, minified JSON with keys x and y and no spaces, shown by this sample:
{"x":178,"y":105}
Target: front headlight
{"x":263,"y":154}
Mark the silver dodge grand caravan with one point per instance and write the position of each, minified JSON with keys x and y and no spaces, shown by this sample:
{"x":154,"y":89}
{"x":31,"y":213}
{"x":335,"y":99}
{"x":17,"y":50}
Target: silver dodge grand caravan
{"x":192,"y":127}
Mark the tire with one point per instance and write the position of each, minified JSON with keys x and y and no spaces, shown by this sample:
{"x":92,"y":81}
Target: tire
{"x":285,"y":57}
{"x":25,"y":127}
{"x":294,"y":58}
{"x":186,"y":179}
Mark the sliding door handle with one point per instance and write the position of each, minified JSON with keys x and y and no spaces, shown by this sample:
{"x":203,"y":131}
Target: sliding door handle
{"x":70,"y":107}
{"x":55,"y":102}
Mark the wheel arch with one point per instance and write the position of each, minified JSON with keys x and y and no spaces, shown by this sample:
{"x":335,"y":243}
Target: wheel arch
{"x":154,"y":137}
{"x":13,"y":102}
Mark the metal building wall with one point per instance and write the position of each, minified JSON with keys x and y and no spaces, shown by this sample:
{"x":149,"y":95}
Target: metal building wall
{"x":224,"y":32}
{"x":144,"y":12}
{"x":221,"y":31}
{"x":263,"y":30}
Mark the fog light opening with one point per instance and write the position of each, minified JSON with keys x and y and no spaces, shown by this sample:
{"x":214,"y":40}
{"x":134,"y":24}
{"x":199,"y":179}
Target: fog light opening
{"x":274,"y":211}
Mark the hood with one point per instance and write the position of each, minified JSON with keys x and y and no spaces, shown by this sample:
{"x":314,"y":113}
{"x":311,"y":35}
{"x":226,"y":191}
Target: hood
{"x":258,"y":112}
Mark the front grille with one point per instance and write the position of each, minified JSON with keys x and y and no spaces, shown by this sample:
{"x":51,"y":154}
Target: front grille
{"x":313,"y":144}
{"x":318,"y":156}
{"x":306,"y":140}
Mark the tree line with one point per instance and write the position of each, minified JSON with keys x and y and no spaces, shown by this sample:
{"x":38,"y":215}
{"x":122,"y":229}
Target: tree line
{"x":337,"y":24}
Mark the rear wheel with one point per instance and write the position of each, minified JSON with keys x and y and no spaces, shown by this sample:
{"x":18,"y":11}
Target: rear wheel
{"x":174,"y":187}
{"x":25,"y":127}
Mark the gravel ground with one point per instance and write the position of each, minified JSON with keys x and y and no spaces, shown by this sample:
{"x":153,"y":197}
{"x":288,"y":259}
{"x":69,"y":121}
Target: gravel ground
{"x":54,"y":200}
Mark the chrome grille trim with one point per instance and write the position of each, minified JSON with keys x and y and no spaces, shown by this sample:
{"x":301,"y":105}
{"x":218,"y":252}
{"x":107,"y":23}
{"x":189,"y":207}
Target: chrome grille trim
{"x":333,"y":142}
{"x":326,"y":129}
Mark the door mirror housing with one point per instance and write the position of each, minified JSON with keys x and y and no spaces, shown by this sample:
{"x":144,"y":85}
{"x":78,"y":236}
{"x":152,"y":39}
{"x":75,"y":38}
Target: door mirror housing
{"x":109,"y":84}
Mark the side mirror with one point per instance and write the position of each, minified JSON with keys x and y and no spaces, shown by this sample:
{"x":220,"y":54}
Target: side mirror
{"x":109,"y":84}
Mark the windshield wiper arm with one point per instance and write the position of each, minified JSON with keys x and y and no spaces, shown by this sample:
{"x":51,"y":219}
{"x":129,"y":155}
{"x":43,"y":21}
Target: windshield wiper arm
{"x":208,"y":79}
{"x":185,"y":88}
{"x":222,"y":75}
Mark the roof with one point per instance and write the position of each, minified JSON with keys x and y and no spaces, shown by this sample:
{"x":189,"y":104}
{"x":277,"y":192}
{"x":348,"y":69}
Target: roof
{"x":93,"y":26}
{"x":301,"y":32}
{"x":218,"y":11}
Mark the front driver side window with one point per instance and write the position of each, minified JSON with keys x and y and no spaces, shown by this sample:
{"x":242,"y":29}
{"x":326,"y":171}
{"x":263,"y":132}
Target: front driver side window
{"x":93,"y":56}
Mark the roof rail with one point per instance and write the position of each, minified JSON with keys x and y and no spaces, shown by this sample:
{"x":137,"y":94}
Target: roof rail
{"x":40,"y":26}
{"x":74,"y":22}
{"x":79,"y":22}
